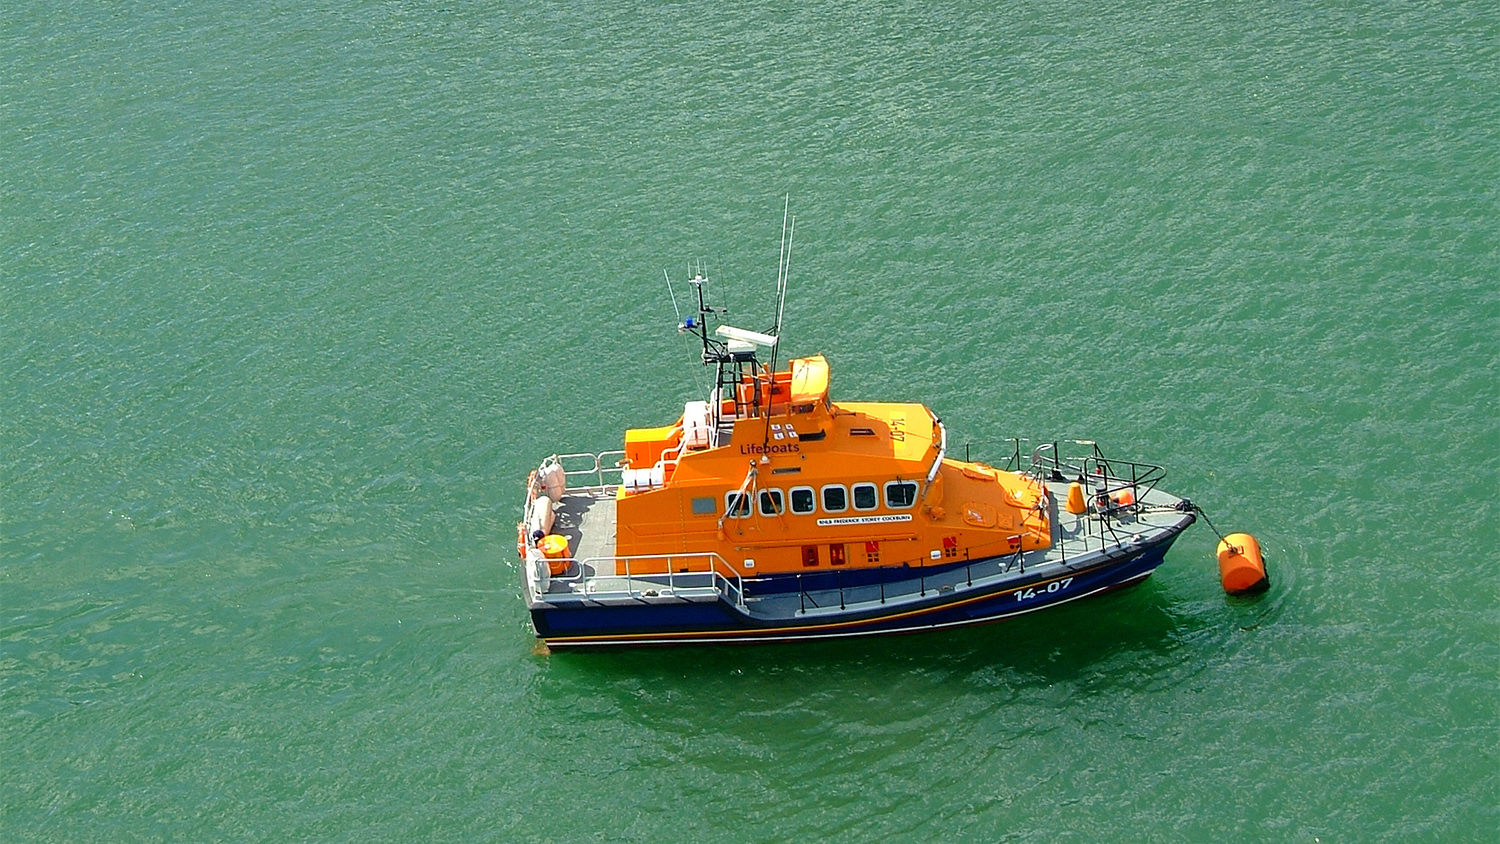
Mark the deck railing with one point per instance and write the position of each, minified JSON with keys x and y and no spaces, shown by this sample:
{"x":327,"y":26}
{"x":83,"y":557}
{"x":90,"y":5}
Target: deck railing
{"x":700,"y":570}
{"x":605,"y":463}
{"x":1104,"y":479}
{"x":1067,"y":460}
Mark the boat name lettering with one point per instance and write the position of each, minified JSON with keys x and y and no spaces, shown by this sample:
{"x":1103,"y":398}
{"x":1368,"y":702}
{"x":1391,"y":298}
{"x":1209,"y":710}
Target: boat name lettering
{"x":784,"y":448}
{"x":863,"y":520}
{"x":1032,"y":592}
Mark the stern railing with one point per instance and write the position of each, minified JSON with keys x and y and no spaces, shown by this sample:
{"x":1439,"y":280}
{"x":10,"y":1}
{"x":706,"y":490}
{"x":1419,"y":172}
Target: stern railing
{"x":699,"y":570}
{"x":605,"y":471}
{"x":598,"y":466}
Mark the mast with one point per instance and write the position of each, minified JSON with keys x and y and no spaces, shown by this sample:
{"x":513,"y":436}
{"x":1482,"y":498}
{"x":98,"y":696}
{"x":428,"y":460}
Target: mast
{"x":731,"y":349}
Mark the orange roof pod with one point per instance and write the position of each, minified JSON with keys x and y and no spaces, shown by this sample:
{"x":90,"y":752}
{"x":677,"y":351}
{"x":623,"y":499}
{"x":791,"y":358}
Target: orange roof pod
{"x":809,"y":380}
{"x":800,"y":388}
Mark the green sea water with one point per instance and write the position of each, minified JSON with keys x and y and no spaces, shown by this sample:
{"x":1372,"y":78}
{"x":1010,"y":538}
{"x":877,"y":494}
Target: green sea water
{"x":292,"y":298}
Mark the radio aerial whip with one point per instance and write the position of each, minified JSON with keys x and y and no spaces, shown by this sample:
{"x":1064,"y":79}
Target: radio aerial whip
{"x":674,"y":299}
{"x":783,"y":269}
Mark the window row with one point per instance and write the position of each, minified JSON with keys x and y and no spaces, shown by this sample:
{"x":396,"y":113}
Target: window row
{"x":835,"y":498}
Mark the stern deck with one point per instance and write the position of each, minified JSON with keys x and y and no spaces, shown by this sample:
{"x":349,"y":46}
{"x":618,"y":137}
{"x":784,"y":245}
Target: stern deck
{"x":587,"y":518}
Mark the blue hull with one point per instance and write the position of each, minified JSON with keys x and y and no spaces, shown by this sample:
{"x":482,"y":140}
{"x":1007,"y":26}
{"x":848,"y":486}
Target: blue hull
{"x":683,"y":623}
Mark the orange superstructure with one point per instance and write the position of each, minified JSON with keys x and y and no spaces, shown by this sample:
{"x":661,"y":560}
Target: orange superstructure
{"x":791,"y":481}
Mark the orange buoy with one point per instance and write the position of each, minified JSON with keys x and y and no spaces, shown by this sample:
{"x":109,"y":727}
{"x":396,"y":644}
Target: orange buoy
{"x":1075,"y":499}
{"x":1242,"y":570}
{"x":555,"y":549}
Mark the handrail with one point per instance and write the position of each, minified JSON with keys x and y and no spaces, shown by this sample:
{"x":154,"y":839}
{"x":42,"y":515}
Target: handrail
{"x":720,"y":575}
{"x":598,"y":469}
{"x":675,"y":453}
{"x":937,"y":462}
{"x":1083,"y":460}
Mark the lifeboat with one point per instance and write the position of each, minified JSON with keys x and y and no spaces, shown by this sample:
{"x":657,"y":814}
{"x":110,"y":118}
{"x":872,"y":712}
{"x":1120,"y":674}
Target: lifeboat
{"x":769,"y":511}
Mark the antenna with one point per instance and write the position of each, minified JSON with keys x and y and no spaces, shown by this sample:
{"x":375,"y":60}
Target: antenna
{"x":698,"y":269}
{"x":781,"y":261}
{"x":674,"y":299}
{"x":783,"y":269}
{"x":786,"y":274}
{"x":712,"y":349}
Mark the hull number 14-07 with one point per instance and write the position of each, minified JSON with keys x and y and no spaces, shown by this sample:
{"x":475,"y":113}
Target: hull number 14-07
{"x":1053,"y":587}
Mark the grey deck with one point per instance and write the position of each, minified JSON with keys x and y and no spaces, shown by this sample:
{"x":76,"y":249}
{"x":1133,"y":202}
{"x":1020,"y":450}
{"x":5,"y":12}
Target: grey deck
{"x":587,"y":518}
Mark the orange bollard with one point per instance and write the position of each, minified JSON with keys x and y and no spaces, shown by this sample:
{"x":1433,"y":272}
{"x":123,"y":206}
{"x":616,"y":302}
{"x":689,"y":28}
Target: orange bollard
{"x":1075,"y":499}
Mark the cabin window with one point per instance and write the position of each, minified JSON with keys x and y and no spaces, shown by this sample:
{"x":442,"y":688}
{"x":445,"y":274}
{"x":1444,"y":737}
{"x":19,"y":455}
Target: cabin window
{"x":736,"y":506}
{"x":804,"y":500}
{"x":900,"y":494}
{"x":706,"y":506}
{"x":771,"y":502}
{"x":835,"y":499}
{"x":865,"y":497}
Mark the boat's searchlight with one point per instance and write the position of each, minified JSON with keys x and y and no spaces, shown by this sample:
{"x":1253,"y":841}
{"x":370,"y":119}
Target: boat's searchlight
{"x":729,"y":332}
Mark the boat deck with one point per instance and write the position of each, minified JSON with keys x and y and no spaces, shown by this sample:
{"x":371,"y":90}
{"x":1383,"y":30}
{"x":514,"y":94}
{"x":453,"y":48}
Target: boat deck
{"x":587,"y":518}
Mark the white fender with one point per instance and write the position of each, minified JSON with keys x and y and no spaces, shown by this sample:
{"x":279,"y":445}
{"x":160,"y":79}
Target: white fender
{"x":537,"y":575}
{"x":541,"y":516}
{"x":640,"y":480}
{"x":554,"y":480}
